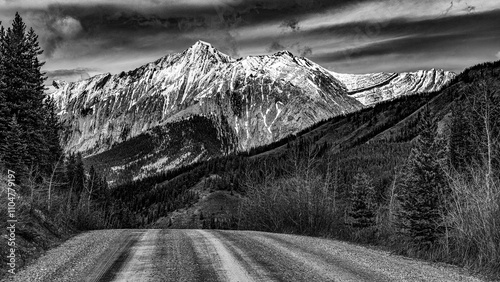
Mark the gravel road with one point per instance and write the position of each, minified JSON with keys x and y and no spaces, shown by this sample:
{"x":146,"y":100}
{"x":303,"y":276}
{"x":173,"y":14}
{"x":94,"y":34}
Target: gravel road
{"x":207,"y":255}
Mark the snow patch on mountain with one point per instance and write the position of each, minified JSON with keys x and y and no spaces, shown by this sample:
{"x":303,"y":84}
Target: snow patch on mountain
{"x":162,"y":164}
{"x":248,"y":102}
{"x":377,"y":87}
{"x":107,"y":109}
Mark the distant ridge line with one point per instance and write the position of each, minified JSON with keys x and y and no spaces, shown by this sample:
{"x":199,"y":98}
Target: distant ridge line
{"x":383,"y":83}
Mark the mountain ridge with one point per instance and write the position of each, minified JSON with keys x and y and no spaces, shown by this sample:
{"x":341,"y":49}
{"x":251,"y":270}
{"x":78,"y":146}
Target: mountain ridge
{"x":254,"y":72}
{"x":248,"y":102}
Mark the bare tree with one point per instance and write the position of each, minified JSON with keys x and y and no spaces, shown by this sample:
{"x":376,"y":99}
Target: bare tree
{"x":55,"y":168}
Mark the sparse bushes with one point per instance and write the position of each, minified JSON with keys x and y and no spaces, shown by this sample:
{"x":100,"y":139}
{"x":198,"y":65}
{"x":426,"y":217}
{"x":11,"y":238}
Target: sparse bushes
{"x":289,"y":205}
{"x":426,"y":212}
{"x":298,"y":201}
{"x":474,"y":220}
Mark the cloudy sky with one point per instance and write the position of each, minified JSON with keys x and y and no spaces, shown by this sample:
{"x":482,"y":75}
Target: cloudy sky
{"x":88,"y":37}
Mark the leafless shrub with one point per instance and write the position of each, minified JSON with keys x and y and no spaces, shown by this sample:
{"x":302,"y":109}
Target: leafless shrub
{"x":474,"y":220}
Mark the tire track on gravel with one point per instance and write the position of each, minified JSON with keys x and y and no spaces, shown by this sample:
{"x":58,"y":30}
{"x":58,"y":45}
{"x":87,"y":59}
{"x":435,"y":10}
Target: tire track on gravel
{"x":324,"y":262}
{"x":228,"y":264}
{"x":298,"y":262}
{"x":176,"y":260}
{"x":221,"y":256}
{"x":256,"y":270}
{"x":283,"y":267}
{"x":135,"y":261}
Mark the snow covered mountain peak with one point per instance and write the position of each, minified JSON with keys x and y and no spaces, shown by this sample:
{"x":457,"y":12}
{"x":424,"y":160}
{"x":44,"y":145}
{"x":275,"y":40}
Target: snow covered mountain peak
{"x":202,"y":50}
{"x":245,"y":103}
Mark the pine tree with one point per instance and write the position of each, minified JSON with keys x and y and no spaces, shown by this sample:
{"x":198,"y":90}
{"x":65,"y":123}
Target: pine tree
{"x":421,"y":191}
{"x":462,"y":150}
{"x":22,"y":94}
{"x":15,"y":149}
{"x":4,"y":115}
{"x":362,"y":198}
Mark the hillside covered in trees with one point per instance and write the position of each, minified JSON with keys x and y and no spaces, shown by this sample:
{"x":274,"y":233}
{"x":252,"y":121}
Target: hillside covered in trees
{"x":418,"y":174}
{"x":49,"y":194}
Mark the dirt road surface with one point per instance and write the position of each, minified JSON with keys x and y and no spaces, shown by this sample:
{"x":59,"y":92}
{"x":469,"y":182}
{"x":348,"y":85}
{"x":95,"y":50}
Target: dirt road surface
{"x":235,"y":256}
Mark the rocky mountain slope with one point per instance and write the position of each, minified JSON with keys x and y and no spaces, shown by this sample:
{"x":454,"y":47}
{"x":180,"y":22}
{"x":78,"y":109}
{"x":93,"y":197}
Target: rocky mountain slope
{"x":202,"y":103}
{"x":377,"y":87}
{"x":263,"y":98}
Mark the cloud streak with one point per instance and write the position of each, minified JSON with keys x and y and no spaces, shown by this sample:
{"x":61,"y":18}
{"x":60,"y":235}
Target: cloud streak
{"x":349,"y":36}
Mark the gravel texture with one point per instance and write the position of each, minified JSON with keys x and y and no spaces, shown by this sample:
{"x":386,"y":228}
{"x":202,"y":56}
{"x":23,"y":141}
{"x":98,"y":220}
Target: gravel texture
{"x":69,"y":261}
{"x":203,"y":255}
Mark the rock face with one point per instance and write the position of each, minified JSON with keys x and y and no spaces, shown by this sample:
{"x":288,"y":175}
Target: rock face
{"x":201,"y":103}
{"x":262,"y":98}
{"x":372,"y":88}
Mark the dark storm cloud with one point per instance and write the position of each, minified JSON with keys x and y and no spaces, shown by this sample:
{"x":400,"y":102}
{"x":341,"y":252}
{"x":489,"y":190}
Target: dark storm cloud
{"x":113,"y":35}
{"x":293,"y":24}
{"x":113,"y":25}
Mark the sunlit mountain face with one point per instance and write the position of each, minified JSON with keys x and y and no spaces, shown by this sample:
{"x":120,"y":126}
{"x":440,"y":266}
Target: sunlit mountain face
{"x":201,"y":103}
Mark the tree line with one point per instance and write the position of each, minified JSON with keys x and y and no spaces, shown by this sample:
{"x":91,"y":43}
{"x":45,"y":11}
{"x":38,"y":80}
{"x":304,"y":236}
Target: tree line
{"x":47,"y":179}
{"x":438,"y":198}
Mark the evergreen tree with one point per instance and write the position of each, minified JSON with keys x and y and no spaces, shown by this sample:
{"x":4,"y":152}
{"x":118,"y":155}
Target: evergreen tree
{"x":4,"y":115}
{"x":461,"y":148}
{"x":22,"y":95}
{"x":362,"y":198}
{"x":422,"y":189}
{"x":15,"y":149}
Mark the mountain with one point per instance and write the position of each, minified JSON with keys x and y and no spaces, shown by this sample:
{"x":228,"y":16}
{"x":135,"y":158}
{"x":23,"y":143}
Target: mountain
{"x":377,"y":87}
{"x":376,"y":140}
{"x":263,"y":98}
{"x":202,"y":103}
{"x":304,"y":183}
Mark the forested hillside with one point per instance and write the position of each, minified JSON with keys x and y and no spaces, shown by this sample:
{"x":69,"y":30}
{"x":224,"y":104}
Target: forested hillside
{"x":418,"y":174}
{"x":49,"y":195}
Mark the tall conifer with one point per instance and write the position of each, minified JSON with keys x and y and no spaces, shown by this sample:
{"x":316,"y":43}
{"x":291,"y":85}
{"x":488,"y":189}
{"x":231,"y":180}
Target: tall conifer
{"x":22,"y":95}
{"x":362,"y":197}
{"x":421,"y":189}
